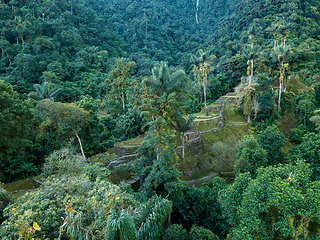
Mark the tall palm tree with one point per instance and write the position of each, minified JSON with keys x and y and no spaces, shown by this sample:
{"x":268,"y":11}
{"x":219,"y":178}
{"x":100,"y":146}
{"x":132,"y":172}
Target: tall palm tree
{"x":273,"y":29}
{"x":284,"y":31}
{"x":166,"y":86}
{"x":182,"y":127}
{"x":280,"y":55}
{"x":201,"y":68}
{"x":246,"y":93}
{"x":45,"y":91}
{"x":249,"y":53}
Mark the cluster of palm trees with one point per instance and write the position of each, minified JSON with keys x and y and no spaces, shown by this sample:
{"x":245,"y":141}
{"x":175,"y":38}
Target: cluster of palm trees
{"x":280,"y":54}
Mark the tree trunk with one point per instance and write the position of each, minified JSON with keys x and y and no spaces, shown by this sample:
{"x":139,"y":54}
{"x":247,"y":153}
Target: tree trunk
{"x":81,"y":146}
{"x":280,"y":90}
{"x":205,"y":95}
{"x":183,"y":148}
{"x":251,"y":72}
{"x":123,"y":104}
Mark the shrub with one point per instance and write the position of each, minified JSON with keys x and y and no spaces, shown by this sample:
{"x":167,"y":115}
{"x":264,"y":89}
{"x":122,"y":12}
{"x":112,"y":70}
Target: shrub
{"x":175,"y":232}
{"x":47,"y":206}
{"x":201,"y":233}
{"x":5,"y":200}
{"x":61,"y":162}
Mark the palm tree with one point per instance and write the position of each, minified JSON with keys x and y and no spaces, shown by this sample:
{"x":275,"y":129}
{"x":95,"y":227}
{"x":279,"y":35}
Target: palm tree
{"x":182,"y":127}
{"x":249,"y":55}
{"x":273,"y":29}
{"x":201,"y":68}
{"x":166,"y":86}
{"x":165,"y":81}
{"x":245,"y":92}
{"x":280,"y":56}
{"x":44,"y":91}
{"x":144,"y":224}
{"x":284,"y":31}
{"x":120,"y":225}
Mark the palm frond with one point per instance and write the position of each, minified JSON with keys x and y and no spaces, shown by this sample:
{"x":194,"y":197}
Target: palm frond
{"x":35,"y":96}
{"x":54,"y":92}
{"x":151,"y":228}
{"x":120,"y":226}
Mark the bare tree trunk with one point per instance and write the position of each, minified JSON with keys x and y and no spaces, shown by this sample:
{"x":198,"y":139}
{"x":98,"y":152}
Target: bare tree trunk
{"x":205,"y":95}
{"x":85,"y":159}
{"x":123,"y":104}
{"x":183,"y":148}
{"x":251,"y":72}
{"x":197,"y":9}
{"x":280,"y":90}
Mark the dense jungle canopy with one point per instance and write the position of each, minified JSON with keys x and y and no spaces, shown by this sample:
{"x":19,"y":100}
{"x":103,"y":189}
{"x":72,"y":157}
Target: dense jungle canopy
{"x":79,"y":78}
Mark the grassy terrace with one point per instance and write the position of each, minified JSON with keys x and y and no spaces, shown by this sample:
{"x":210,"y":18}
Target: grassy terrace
{"x":20,"y":187}
{"x":211,"y":154}
{"x":135,"y":142}
{"x":214,"y":152}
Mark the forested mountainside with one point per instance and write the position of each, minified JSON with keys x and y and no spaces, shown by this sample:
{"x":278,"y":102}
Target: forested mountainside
{"x":79,"y":77}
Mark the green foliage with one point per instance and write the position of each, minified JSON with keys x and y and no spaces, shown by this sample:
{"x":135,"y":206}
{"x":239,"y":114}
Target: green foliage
{"x":62,"y":162}
{"x":280,"y":203}
{"x":309,"y":151}
{"x":272,"y":140}
{"x":16,"y":135}
{"x":175,"y":232}
{"x":198,"y":206}
{"x":154,"y":165}
{"x":67,"y":43}
{"x":297,"y":134}
{"x":267,"y":111}
{"x":317,"y":94}
{"x":304,"y":109}
{"x":5,"y":200}
{"x":251,"y":156}
{"x":201,"y":233}
{"x":46,"y":91}
{"x":120,"y":226}
{"x":66,"y":117}
{"x":155,"y":213}
{"x":46,"y":206}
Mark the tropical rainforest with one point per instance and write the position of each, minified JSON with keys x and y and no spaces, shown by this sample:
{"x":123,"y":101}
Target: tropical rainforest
{"x":111,"y":107}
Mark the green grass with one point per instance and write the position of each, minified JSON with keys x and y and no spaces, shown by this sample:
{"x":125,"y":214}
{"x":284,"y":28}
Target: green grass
{"x":135,"y":142}
{"x":104,"y":157}
{"x":286,"y":123}
{"x":204,"y":126}
{"x":26,"y":184}
{"x":216,"y":152}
